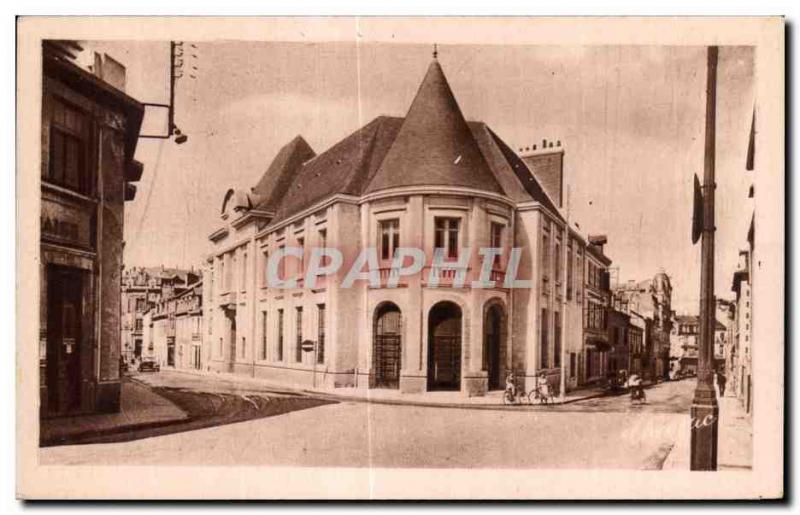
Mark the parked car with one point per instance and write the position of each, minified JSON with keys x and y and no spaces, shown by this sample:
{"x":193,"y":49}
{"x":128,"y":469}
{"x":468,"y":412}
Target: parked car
{"x":149,"y":366}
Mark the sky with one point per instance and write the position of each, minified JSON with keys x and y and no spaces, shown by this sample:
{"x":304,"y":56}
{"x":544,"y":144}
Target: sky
{"x":630,"y":118}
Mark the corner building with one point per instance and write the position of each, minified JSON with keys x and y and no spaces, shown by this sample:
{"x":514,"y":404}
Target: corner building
{"x":89,"y":130}
{"x":431,"y":180}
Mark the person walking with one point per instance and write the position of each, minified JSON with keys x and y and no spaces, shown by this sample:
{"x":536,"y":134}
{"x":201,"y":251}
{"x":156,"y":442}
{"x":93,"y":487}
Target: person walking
{"x":721,"y":380}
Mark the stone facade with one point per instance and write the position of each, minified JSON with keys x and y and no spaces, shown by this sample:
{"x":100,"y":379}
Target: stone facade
{"x":173,"y":330}
{"x":89,"y":134}
{"x":142,"y":289}
{"x":458,"y":189}
{"x":649,"y":303}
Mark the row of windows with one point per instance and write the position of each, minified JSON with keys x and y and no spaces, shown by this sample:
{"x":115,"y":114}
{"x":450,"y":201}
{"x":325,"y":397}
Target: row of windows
{"x":446,"y":237}
{"x":278,"y":349}
{"x":574,"y":261}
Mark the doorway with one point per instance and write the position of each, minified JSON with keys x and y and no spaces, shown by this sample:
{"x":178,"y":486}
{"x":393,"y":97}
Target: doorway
{"x":493,"y":340}
{"x":64,"y":337}
{"x":444,"y":347}
{"x":387,"y":345}
{"x":230,"y":314}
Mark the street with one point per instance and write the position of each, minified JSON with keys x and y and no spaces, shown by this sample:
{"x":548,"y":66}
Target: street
{"x":595,"y":433}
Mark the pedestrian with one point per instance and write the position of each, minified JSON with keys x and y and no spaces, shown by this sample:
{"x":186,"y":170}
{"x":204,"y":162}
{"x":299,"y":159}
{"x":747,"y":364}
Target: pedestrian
{"x":544,"y":389}
{"x":511,"y":386}
{"x":721,"y":380}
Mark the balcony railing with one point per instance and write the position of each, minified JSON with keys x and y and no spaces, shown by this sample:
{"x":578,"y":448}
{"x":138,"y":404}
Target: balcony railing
{"x":388,"y":273}
{"x":445,"y":277}
{"x":499,"y":278}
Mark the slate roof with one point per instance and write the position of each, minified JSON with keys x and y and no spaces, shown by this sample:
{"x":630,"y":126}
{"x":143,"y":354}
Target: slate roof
{"x":278,"y":177}
{"x":433,"y":145}
{"x":344,"y":168}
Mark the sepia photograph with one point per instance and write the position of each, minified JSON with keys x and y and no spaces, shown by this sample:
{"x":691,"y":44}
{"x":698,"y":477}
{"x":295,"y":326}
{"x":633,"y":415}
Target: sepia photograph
{"x":380,"y":250}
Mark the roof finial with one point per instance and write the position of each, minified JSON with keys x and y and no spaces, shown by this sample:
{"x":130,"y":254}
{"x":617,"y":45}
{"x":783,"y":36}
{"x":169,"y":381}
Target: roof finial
{"x":435,"y":51}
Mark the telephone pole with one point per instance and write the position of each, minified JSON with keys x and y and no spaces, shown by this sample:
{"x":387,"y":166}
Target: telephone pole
{"x":705,"y":410}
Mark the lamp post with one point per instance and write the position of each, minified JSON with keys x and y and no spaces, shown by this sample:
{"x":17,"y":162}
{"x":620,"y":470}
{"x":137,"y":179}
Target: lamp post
{"x":704,"y":410}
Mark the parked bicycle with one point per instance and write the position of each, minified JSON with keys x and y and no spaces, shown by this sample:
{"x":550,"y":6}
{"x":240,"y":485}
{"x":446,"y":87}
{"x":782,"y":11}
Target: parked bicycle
{"x":542,"y":393}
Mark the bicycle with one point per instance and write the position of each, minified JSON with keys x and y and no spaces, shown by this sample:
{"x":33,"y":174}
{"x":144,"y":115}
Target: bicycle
{"x":541,"y":393}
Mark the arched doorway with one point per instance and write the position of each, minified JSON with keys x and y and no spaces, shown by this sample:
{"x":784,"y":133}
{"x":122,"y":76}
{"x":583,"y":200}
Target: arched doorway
{"x":493,"y":343}
{"x":444,"y":347}
{"x":386,"y":345}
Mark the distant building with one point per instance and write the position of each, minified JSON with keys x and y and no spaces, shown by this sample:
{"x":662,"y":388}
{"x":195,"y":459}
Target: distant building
{"x":143,"y":288}
{"x":596,"y":307}
{"x":650,"y":301}
{"x":174,"y":330}
{"x":430,"y":180}
{"x":742,"y":379}
{"x":687,"y":328}
{"x":619,"y":357}
{"x":743,"y":281}
{"x":89,"y":129}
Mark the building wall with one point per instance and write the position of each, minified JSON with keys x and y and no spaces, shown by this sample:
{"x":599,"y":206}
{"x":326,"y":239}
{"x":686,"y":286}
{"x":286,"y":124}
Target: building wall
{"x":350,"y":313}
{"x":83,"y":233}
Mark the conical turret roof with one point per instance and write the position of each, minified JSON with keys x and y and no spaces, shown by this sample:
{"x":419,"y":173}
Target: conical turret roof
{"x":434,"y":145}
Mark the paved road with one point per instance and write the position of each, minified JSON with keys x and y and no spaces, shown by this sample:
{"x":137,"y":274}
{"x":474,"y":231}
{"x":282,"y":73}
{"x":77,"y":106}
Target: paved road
{"x":601,"y":433}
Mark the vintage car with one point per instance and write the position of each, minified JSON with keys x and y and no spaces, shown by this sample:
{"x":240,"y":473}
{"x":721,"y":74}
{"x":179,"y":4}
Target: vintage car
{"x":149,"y":365}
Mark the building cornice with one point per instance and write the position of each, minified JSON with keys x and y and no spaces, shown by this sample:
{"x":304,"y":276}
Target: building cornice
{"x":323,"y":204}
{"x":251,"y":216}
{"x":218,"y":234}
{"x":436,"y":190}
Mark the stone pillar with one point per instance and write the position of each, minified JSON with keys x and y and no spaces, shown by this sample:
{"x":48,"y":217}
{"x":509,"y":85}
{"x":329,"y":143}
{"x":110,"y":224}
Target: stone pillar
{"x":413,"y":373}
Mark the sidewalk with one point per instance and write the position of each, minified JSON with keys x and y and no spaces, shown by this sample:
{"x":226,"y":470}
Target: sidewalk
{"x":139,"y":407}
{"x":735,"y":436}
{"x":212,"y":381}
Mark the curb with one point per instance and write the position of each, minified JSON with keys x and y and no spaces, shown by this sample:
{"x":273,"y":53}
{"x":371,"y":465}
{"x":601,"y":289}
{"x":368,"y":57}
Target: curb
{"x":397,"y":402}
{"x":80,"y":436}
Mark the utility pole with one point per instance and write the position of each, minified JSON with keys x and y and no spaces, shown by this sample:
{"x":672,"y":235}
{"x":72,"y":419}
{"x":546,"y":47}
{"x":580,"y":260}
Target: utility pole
{"x":175,"y":73}
{"x":705,"y":410}
{"x":563,"y":336}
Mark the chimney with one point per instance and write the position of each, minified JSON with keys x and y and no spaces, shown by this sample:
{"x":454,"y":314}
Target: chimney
{"x":548,"y":169}
{"x":598,"y":240}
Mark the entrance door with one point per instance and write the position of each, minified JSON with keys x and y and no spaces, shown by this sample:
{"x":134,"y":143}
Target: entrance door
{"x":444,"y":347}
{"x":492,"y":342}
{"x":64,"y":336}
{"x":387,"y":346}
